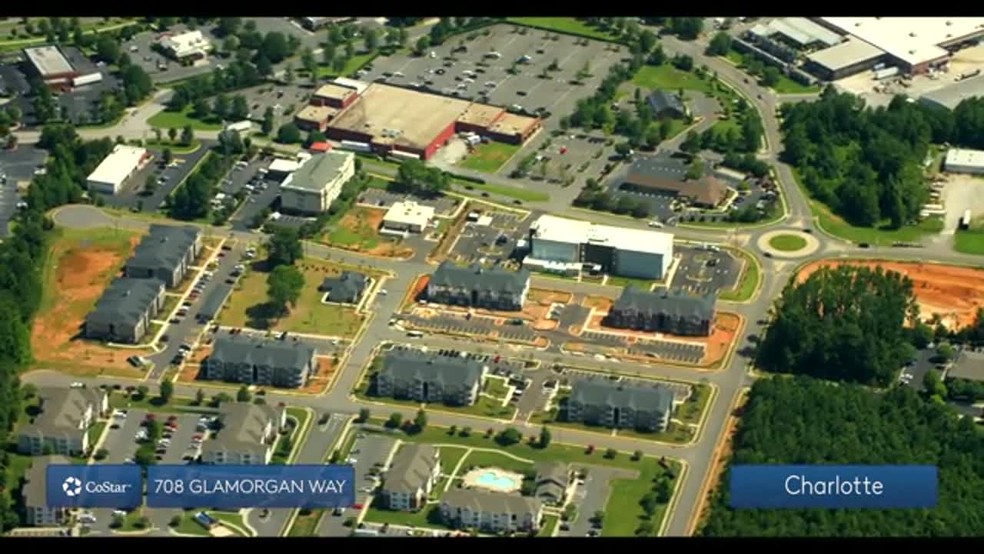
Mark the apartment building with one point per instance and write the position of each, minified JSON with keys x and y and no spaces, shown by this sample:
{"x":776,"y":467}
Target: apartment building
{"x":260,"y":361}
{"x":411,"y":477}
{"x":663,"y":311}
{"x":317,"y":183}
{"x":124,"y":312}
{"x":605,"y":403}
{"x":62,"y":426}
{"x":248,"y":435}
{"x":37,"y":513}
{"x":478,"y":287}
{"x":424,"y":377}
{"x":491,"y":512}
{"x":165,"y":253}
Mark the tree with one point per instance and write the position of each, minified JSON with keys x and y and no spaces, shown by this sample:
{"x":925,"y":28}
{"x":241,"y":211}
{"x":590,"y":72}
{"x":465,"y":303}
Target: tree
{"x":420,"y":48}
{"x":243,"y":395}
{"x":220,"y":106}
{"x":771,"y":76}
{"x":166,"y":391}
{"x":720,"y":45}
{"x":230,"y":44}
{"x":267,"y":125}
{"x":611,"y":453}
{"x":107,"y":49}
{"x":371,"y":39}
{"x":364,"y":415}
{"x":545,"y":438}
{"x":239,"y":110}
{"x":187,"y":135}
{"x":172,"y":134}
{"x":141,"y":392}
{"x":289,"y":134}
{"x":284,"y":247}
{"x":284,"y":286}
{"x":864,"y":343}
{"x":695,"y":170}
{"x":199,"y":397}
{"x":420,"y":421}
{"x":395,"y":420}
{"x":691,"y":144}
{"x":274,"y":47}
{"x":509,"y":436}
{"x":309,"y":64}
{"x":418,"y":178}
{"x":289,"y":73}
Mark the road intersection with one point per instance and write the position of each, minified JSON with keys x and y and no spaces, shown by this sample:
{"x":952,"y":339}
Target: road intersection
{"x":729,"y":381}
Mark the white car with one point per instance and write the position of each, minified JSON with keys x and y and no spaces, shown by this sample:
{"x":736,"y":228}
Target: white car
{"x":119,"y":513}
{"x":656,"y":224}
{"x":77,"y":385}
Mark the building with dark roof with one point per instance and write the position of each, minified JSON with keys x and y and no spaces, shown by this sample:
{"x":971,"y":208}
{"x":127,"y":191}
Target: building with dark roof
{"x":553,"y":479}
{"x":248,"y":434}
{"x":651,"y":175}
{"x":260,"y":361}
{"x":667,"y":104}
{"x":346,"y":288}
{"x":125,"y":310}
{"x":620,"y":406}
{"x":165,"y":253}
{"x":478,"y":287}
{"x":63,"y":425}
{"x":663,"y":311}
{"x":490,"y":511}
{"x":424,"y":377}
{"x":37,"y":513}
{"x":411,"y":477}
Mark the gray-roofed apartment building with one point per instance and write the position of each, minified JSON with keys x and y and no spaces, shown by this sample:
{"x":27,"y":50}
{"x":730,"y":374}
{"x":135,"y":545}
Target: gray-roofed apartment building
{"x":620,"y":406}
{"x":37,"y":513}
{"x":346,"y":288}
{"x":553,"y":482}
{"x":424,"y":377}
{"x":125,"y":310}
{"x":248,"y":435}
{"x":663,"y":311}
{"x":490,"y":511}
{"x":165,"y":253}
{"x":477,"y":287}
{"x":411,"y":477}
{"x":667,"y":104}
{"x":260,"y":361}
{"x":63,"y":425}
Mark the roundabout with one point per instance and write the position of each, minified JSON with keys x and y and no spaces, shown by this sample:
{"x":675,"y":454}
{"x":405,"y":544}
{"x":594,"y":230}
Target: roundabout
{"x":788,"y":244}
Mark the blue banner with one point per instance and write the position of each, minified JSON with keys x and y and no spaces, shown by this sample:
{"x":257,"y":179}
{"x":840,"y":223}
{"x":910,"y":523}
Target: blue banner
{"x":93,"y":486}
{"x":833,"y":487}
{"x":250,"y":486}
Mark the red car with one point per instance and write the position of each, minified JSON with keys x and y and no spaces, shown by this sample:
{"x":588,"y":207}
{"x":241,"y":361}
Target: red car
{"x":172,"y":418}
{"x":151,"y":417}
{"x":358,"y":506}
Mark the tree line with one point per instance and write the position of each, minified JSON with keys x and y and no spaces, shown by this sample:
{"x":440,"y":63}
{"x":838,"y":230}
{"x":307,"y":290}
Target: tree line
{"x":21,"y":280}
{"x":193,"y":199}
{"x":805,"y":421}
{"x":866,"y":164}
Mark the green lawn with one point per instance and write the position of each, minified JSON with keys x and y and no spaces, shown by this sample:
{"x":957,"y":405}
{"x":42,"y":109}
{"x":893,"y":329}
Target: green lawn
{"x":787,"y":243}
{"x":188,"y":525}
{"x":969,"y":242}
{"x":567,"y":25}
{"x":450,"y":456}
{"x":494,"y":459}
{"x":235,"y":519}
{"x":692,"y":410}
{"x":296,"y":436}
{"x":247,"y":305}
{"x":881,"y":236}
{"x":549,"y":525}
{"x":670,"y":78}
{"x":354,"y":64}
{"x":178,"y":120}
{"x":749,"y":281}
{"x":306,"y":523}
{"x":178,"y":404}
{"x":174,"y":147}
{"x":427,"y":517}
{"x":785,"y":84}
{"x":170,"y":303}
{"x":516,"y":193}
{"x":496,"y":387}
{"x":489,"y":157}
{"x":96,"y":431}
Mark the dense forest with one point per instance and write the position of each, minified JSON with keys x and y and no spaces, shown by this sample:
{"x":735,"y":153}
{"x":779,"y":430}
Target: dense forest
{"x":803,"y":421}
{"x":866,"y":164}
{"x":21,"y":258}
{"x":845,"y":323}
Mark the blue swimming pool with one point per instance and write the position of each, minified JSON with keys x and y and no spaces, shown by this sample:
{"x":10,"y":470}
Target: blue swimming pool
{"x":496,"y":480}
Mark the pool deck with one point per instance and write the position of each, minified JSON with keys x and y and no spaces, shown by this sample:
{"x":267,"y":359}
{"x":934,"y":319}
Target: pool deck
{"x":505,"y":481}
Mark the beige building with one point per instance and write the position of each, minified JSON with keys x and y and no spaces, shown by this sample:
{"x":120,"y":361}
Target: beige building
{"x":408,"y":216}
{"x":411,"y":477}
{"x":248,"y":435}
{"x":35,"y":494}
{"x":317,"y":183}
{"x":490,"y":511}
{"x":63,"y":425}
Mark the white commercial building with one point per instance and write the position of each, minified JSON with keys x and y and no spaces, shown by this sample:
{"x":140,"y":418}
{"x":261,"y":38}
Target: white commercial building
{"x":638,"y":253}
{"x":118,"y":166}
{"x":959,"y":160}
{"x":192,"y":44}
{"x":317,"y":183}
{"x":408,"y":216}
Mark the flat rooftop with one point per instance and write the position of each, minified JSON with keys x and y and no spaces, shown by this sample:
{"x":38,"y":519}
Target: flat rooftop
{"x":964,"y":157}
{"x":400,"y":116}
{"x":512,"y":124}
{"x":481,"y":115}
{"x":316,"y":114}
{"x":913,"y":40}
{"x":800,"y":30}
{"x":952,"y":95}
{"x":334,"y":91}
{"x":845,"y":54}
{"x":573,"y":231}
{"x":48,"y":60}
{"x":968,"y":365}
{"x":317,"y":172}
{"x":118,"y":165}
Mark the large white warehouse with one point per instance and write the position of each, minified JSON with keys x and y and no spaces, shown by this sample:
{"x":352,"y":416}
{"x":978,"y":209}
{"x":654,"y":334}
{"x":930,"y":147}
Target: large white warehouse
{"x":637,"y":253}
{"x":959,"y":160}
{"x":116,"y":168}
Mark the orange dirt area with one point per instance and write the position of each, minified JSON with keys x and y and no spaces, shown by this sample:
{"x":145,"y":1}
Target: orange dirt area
{"x":78,"y":273}
{"x":322,"y":379}
{"x":416,"y":291}
{"x":189,"y":373}
{"x":722,"y":454}
{"x":598,"y":303}
{"x":955,"y":293}
{"x":548,"y":297}
{"x":358,"y":231}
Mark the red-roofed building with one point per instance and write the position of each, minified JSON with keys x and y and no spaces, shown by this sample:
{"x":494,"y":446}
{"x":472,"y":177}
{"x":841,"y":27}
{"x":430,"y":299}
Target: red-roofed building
{"x":320,"y":147}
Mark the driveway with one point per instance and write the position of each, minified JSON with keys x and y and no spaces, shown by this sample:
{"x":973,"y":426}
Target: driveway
{"x":592,"y":497}
{"x":367,"y":451}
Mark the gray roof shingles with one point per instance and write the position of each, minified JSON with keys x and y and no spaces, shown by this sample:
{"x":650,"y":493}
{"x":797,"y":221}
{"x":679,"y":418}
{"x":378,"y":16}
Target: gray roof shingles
{"x":35,"y":492}
{"x":347,"y":287}
{"x":601,"y":392}
{"x":408,"y":365}
{"x":242,"y":428}
{"x":411,"y":468}
{"x":476,"y":278}
{"x":164,"y":247}
{"x":662,"y":100}
{"x":491,"y":502}
{"x":261,"y":351}
{"x":672,"y":303}
{"x":62,"y":410}
{"x":125,"y":301}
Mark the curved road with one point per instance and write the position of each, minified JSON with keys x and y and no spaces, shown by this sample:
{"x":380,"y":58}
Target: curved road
{"x":728,"y":381}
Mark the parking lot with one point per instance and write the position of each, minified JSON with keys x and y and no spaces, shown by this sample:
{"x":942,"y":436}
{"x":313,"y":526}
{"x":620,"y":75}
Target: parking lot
{"x":134,"y":195}
{"x":286,"y":100}
{"x":16,"y":166}
{"x":443,"y":206}
{"x":688,"y":353}
{"x":160,"y":68}
{"x":121,"y":438}
{"x":577,"y":155}
{"x":13,"y":82}
{"x":592,"y":497}
{"x":368,"y":452}
{"x":490,"y":236}
{"x":532,"y":87}
{"x":705,"y":271}
{"x":475,"y":326}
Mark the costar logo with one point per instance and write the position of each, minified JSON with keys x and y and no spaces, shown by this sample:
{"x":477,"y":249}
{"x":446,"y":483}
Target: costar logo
{"x":72,"y":487}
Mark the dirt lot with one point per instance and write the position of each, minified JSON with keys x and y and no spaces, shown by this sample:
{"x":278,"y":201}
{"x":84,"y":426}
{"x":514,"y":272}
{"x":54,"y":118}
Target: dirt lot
{"x":953,"y":292}
{"x":535,"y":310}
{"x":79,"y":267}
{"x":444,"y":247}
{"x":722,"y":455}
{"x":415,"y":293}
{"x":598,"y":303}
{"x":358,"y":231}
{"x":316,"y":385}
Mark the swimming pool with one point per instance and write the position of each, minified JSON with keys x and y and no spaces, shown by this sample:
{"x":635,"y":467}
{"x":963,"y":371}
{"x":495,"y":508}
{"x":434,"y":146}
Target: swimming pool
{"x":494,"y":479}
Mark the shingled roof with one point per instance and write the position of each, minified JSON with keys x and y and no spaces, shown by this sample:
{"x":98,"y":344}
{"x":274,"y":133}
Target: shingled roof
{"x":164,"y":247}
{"x":662,"y":100}
{"x":242,"y":428}
{"x":62,"y":411}
{"x":673,"y":303}
{"x":491,"y":502}
{"x":602,"y":392}
{"x":347,"y":287}
{"x":260,"y":351}
{"x":412,"y":467}
{"x":125,"y":302}
{"x":412,"y":365}
{"x":659,"y":175}
{"x":477,"y":278}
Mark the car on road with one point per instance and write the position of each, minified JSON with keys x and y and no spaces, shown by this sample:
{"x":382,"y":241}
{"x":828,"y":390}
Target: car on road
{"x":77,"y":385}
